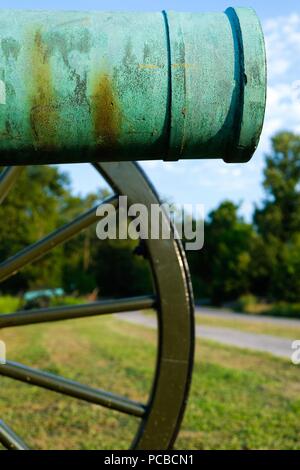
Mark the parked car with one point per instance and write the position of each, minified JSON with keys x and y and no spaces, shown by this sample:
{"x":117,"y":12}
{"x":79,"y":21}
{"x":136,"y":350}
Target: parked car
{"x":41,"y":298}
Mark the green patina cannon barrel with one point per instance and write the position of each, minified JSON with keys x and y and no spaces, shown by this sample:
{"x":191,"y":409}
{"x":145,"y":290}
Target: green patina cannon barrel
{"x":98,"y":86}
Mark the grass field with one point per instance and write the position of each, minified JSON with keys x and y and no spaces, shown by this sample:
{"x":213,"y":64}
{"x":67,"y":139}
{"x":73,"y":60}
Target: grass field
{"x":239,"y":399}
{"x":290,"y":332}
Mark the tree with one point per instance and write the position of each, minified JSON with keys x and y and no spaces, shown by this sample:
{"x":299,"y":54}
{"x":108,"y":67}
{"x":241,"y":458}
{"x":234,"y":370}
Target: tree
{"x":40,"y":202}
{"x":30,"y":211}
{"x":223,"y":264}
{"x":280,"y":214}
{"x":276,"y":267}
{"x":78,"y":271}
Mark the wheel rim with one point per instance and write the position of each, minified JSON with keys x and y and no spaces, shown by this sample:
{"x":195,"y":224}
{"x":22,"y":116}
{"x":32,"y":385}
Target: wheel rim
{"x":162,"y":415}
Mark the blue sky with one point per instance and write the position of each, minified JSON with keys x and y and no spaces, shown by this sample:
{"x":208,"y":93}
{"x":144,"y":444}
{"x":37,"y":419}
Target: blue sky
{"x":211,"y":181}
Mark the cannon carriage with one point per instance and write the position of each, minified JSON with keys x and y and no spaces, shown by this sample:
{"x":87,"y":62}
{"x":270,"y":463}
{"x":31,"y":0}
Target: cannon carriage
{"x":111,"y":89}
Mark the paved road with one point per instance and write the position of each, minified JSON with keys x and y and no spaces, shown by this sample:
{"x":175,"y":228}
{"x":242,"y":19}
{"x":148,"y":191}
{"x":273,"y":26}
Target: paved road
{"x":279,"y":347}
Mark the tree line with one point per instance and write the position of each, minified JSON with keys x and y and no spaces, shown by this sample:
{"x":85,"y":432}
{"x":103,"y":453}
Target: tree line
{"x":260,"y":258}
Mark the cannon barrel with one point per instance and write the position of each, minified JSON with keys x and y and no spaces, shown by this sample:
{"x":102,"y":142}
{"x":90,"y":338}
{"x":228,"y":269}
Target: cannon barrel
{"x":112,"y":86}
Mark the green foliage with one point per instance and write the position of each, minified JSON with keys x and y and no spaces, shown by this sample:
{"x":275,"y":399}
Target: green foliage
{"x":246,"y":303}
{"x":280,"y":214}
{"x":238,"y":259}
{"x":31,"y":211}
{"x":263,"y":258}
{"x":276,"y":255}
{"x":285,"y":309}
{"x":223,"y":264}
{"x":39,"y":203}
{"x":251,"y":304}
{"x":119,"y":271}
{"x":9,"y":304}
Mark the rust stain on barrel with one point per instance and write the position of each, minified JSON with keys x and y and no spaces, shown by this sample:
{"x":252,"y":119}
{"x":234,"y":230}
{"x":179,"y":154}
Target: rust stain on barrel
{"x":43,"y":110}
{"x":106,"y":113}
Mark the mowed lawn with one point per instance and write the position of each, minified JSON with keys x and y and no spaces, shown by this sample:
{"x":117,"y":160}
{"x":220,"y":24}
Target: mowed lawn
{"x":251,"y":326}
{"x":239,"y":399}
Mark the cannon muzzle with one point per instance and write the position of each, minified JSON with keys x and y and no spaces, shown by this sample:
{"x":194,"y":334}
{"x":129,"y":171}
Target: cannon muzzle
{"x":97,"y":86}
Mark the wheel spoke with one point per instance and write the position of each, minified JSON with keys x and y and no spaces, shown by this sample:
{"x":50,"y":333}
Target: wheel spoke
{"x":7,"y":180}
{"x":39,"y":249}
{"x":70,"y":388}
{"x":106,"y":307}
{"x":9,"y":439}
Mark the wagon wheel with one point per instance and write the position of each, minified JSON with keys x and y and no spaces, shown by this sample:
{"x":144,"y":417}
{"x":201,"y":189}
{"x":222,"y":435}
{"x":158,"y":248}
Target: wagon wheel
{"x":160,"y":418}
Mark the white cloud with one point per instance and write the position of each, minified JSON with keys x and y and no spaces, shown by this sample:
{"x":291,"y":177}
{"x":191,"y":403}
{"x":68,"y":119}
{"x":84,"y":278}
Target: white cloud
{"x":282,"y":35}
{"x":149,"y":164}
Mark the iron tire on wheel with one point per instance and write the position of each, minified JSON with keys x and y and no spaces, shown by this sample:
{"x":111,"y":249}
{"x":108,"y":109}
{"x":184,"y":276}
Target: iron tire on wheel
{"x":162,"y":416}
